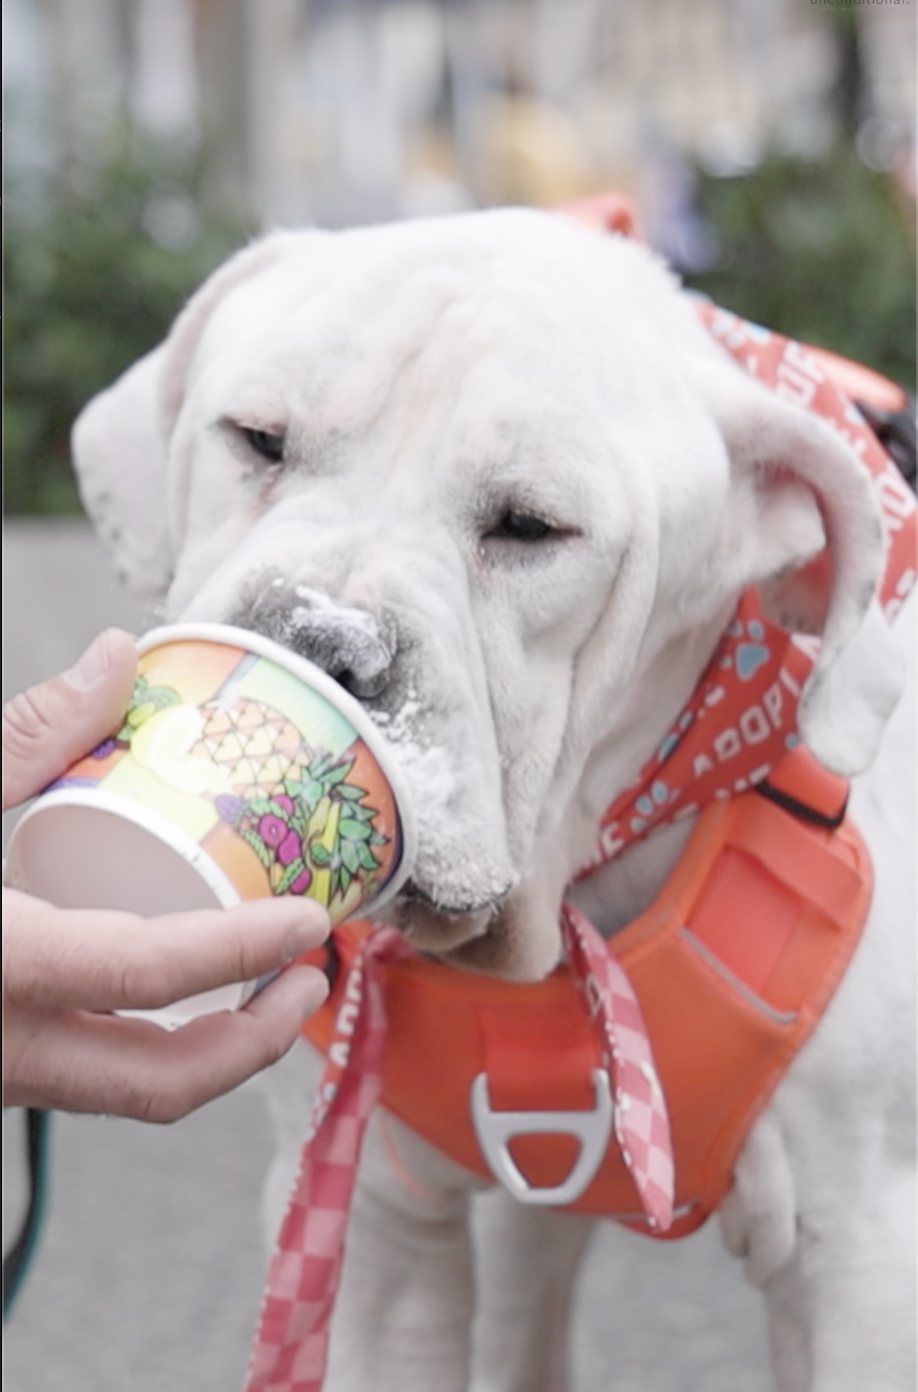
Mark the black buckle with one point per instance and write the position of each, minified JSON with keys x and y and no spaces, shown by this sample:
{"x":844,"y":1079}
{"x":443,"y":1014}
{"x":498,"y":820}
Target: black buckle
{"x":801,"y":810}
{"x":896,"y":432}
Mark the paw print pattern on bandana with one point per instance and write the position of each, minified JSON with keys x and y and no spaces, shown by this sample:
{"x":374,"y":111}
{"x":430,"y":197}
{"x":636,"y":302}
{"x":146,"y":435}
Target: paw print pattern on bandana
{"x":752,"y":653}
{"x":729,"y":736}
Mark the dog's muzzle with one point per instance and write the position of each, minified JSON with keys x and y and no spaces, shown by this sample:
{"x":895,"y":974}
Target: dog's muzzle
{"x":347,"y":643}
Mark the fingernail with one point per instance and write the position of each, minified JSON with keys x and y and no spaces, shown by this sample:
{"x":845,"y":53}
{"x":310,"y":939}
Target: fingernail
{"x":92,"y":666}
{"x":320,"y":990}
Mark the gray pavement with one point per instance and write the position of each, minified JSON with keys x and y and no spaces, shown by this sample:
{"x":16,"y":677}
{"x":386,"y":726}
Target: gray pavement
{"x":148,"y":1273}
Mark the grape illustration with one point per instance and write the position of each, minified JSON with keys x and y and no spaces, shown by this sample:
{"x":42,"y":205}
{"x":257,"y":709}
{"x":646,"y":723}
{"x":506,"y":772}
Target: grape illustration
{"x":229,"y":808}
{"x":272,"y":829}
{"x":290,"y":849}
{"x":313,"y":823}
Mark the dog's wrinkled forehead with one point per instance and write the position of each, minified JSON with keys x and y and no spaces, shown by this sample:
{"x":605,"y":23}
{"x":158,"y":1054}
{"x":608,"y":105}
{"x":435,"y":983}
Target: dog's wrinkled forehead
{"x":348,"y":333}
{"x":450,"y":370}
{"x":413,"y":387}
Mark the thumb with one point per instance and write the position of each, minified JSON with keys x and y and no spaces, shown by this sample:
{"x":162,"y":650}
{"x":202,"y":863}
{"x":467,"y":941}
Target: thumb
{"x":49,"y":727}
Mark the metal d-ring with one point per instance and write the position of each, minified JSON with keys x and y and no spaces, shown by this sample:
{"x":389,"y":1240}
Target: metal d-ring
{"x":496,"y":1129}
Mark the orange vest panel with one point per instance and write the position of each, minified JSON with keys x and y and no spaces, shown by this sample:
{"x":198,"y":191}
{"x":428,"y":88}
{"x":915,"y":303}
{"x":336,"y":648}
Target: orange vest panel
{"x":733,"y":965}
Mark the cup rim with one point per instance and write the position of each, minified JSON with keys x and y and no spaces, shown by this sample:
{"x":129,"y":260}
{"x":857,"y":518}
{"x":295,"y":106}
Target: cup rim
{"x":228,"y":635}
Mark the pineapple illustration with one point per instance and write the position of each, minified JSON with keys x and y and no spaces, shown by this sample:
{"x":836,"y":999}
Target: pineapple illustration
{"x":257,"y":745}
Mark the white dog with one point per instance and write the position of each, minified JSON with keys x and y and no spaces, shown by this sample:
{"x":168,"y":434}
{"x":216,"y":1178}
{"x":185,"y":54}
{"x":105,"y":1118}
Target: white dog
{"x":492,"y":473}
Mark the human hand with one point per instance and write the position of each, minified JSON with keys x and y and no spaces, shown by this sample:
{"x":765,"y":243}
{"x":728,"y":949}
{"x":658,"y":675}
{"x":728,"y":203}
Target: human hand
{"x":65,"y":969}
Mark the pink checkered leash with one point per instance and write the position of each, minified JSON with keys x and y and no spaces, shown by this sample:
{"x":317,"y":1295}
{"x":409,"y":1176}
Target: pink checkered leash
{"x":291,"y":1345}
{"x":640,"y":1118}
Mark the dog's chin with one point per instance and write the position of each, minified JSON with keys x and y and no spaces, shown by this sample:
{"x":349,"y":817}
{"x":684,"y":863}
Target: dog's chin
{"x":434,"y":928}
{"x":510,"y":948}
{"x":492,"y":940}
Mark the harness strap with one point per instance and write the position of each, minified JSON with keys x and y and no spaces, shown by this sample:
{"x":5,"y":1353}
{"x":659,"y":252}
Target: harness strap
{"x":733,"y":965}
{"x":807,"y":791}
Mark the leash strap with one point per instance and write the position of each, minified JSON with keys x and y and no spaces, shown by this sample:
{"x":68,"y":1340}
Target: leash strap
{"x":18,"y":1259}
{"x":639,"y":1117}
{"x":291,"y":1346}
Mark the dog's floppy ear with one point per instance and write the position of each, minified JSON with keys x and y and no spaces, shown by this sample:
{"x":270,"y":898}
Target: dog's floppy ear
{"x":120,"y":440}
{"x":120,"y":460}
{"x":805,"y":526}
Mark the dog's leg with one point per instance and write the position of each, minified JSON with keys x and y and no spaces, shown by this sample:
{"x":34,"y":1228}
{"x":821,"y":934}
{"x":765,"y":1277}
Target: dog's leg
{"x":528,"y":1260}
{"x":838,"y":1277}
{"x":758,"y":1223}
{"x":404,"y":1311}
{"x":842,"y":1312}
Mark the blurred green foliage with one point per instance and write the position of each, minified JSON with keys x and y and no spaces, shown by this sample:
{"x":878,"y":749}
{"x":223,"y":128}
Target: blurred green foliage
{"x":96,"y":264}
{"x":822,"y":250}
{"x":98,"y":261}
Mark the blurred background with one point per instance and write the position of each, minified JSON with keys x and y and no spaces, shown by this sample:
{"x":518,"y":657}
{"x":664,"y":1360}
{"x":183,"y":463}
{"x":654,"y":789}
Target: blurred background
{"x":768,"y":144}
{"x":769,"y":147}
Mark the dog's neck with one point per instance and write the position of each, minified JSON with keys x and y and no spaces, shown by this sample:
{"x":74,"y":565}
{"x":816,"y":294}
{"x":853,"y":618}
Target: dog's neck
{"x":615,"y":893}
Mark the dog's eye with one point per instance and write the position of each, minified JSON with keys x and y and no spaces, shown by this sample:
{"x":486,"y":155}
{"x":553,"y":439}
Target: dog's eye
{"x":520,"y":526}
{"x":265,"y":442}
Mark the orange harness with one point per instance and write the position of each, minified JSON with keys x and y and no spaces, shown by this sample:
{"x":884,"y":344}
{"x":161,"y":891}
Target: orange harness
{"x":728,"y":996}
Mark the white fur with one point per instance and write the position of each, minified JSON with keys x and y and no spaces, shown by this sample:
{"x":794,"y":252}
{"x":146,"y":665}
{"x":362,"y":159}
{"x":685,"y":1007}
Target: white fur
{"x":429,"y":378}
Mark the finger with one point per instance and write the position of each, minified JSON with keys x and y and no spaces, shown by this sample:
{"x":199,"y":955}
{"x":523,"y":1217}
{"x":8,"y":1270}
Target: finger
{"x":81,"y":1062}
{"x":49,"y":727}
{"x":105,"y":960}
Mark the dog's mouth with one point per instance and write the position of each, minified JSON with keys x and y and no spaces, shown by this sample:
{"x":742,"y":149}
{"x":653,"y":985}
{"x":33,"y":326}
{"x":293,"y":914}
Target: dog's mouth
{"x":486,"y":940}
{"x":437,"y":731}
{"x":436,"y":926}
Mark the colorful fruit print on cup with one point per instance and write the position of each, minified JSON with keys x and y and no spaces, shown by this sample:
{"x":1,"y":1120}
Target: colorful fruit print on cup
{"x":240,"y":771}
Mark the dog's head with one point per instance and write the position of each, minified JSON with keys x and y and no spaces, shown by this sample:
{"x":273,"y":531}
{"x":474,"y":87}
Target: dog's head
{"x":490,"y":474}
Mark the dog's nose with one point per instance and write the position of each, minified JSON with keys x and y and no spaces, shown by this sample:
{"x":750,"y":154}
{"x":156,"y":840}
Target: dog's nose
{"x":347,"y":643}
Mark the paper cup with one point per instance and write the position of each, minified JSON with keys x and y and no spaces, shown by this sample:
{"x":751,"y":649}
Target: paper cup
{"x":240,"y":771}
